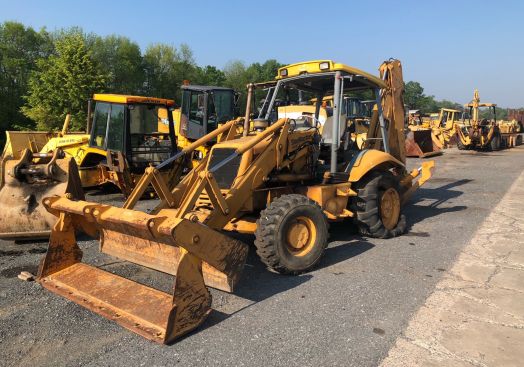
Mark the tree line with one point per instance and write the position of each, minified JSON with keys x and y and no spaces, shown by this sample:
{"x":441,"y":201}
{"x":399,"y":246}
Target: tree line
{"x":45,"y":75}
{"x":415,"y":99}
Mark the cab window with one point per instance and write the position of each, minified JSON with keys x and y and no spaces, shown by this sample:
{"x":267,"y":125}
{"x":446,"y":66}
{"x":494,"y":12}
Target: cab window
{"x":100,"y":117}
{"x":143,"y":119}
{"x":196,"y":108}
{"x":222,"y":106}
{"x":115,"y":137}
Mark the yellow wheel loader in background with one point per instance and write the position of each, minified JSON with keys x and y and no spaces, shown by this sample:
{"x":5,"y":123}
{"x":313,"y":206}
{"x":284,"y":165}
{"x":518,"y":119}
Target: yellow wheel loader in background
{"x":122,"y":124}
{"x":128,"y":133}
{"x":485,"y":133}
{"x":282,"y":180}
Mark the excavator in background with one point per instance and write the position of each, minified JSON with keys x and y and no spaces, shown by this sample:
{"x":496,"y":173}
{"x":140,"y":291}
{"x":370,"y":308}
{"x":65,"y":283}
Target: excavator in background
{"x":127,"y":135}
{"x":485,"y":133}
{"x":282,"y":180}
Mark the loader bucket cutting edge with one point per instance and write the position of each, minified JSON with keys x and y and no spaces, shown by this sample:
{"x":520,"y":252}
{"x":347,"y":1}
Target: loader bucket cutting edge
{"x":146,"y":311}
{"x":419,"y":143}
{"x":23,"y":216}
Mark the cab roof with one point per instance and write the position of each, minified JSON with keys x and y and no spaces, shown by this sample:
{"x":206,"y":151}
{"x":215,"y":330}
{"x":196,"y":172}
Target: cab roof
{"x":361,"y":80}
{"x":205,"y":88}
{"x":127,"y":99}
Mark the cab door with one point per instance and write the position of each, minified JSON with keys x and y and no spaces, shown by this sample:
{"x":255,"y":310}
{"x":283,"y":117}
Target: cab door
{"x":194,"y":111}
{"x":108,"y":129}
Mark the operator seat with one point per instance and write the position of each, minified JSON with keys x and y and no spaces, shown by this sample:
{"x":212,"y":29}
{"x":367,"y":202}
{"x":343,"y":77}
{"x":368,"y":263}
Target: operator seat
{"x":327,"y":129}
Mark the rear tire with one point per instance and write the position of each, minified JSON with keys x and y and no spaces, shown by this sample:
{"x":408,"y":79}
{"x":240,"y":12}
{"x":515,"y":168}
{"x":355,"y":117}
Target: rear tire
{"x":460,"y":146}
{"x":495,"y":142}
{"x":291,"y":234}
{"x":377,"y":206}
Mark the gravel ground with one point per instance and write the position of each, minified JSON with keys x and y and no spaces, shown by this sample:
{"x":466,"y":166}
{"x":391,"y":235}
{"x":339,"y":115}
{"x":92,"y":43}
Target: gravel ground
{"x":348,"y":312}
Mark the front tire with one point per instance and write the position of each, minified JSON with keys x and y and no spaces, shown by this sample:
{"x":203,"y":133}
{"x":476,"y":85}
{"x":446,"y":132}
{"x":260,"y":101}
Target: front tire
{"x":291,"y":234}
{"x":377,"y":206}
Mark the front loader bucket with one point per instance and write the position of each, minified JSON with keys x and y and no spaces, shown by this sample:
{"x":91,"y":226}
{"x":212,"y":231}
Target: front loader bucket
{"x":419,"y":143}
{"x":25,"y":183}
{"x":173,"y":245}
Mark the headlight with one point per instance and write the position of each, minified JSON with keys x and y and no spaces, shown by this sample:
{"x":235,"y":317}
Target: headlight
{"x":324,"y":65}
{"x":283,"y":72}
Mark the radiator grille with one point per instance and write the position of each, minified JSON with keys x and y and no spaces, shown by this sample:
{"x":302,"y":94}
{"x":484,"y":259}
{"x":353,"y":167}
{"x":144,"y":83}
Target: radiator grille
{"x":226,"y":174}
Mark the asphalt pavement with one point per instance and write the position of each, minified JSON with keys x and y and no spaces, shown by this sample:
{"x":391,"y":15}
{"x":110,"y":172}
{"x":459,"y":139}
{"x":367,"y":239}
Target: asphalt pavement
{"x":347,"y":312}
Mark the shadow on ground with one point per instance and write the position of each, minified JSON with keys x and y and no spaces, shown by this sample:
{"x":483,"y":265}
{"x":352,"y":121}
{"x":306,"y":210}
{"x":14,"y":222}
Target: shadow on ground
{"x":438,"y":197}
{"x":259,"y":284}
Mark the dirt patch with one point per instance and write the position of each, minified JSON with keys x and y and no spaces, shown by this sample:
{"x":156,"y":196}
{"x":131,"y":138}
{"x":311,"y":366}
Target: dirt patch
{"x":10,"y":253}
{"x":14,"y":271}
{"x":38,"y":250}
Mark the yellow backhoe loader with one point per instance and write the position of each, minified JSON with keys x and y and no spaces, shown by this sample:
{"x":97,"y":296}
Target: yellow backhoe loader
{"x":485,"y":133}
{"x":282,"y":181}
{"x":444,"y":126}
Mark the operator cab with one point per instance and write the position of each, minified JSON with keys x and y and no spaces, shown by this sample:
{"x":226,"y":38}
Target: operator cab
{"x":135,"y":127}
{"x":204,"y":108}
{"x":318,"y":80}
{"x":448,"y":117}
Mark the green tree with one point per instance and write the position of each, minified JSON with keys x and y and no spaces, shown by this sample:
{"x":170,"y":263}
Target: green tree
{"x":449,"y":104}
{"x":121,"y":60}
{"x":166,"y":68}
{"x":209,"y":75}
{"x":185,"y":67}
{"x":236,"y":76}
{"x":20,"y":48}
{"x":415,"y":98}
{"x":160,"y":68}
{"x":63,"y":82}
{"x":267,"y":71}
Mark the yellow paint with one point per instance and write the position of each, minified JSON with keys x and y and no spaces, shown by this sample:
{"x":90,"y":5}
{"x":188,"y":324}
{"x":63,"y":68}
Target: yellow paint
{"x":127,"y":99}
{"x":313,"y":67}
{"x":370,"y":160}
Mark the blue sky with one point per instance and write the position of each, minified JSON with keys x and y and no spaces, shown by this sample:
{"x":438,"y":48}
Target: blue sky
{"x":450,"y":47}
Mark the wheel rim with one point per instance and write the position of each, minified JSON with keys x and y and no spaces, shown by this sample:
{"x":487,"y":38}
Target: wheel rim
{"x":301,"y":236}
{"x":390,"y":208}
